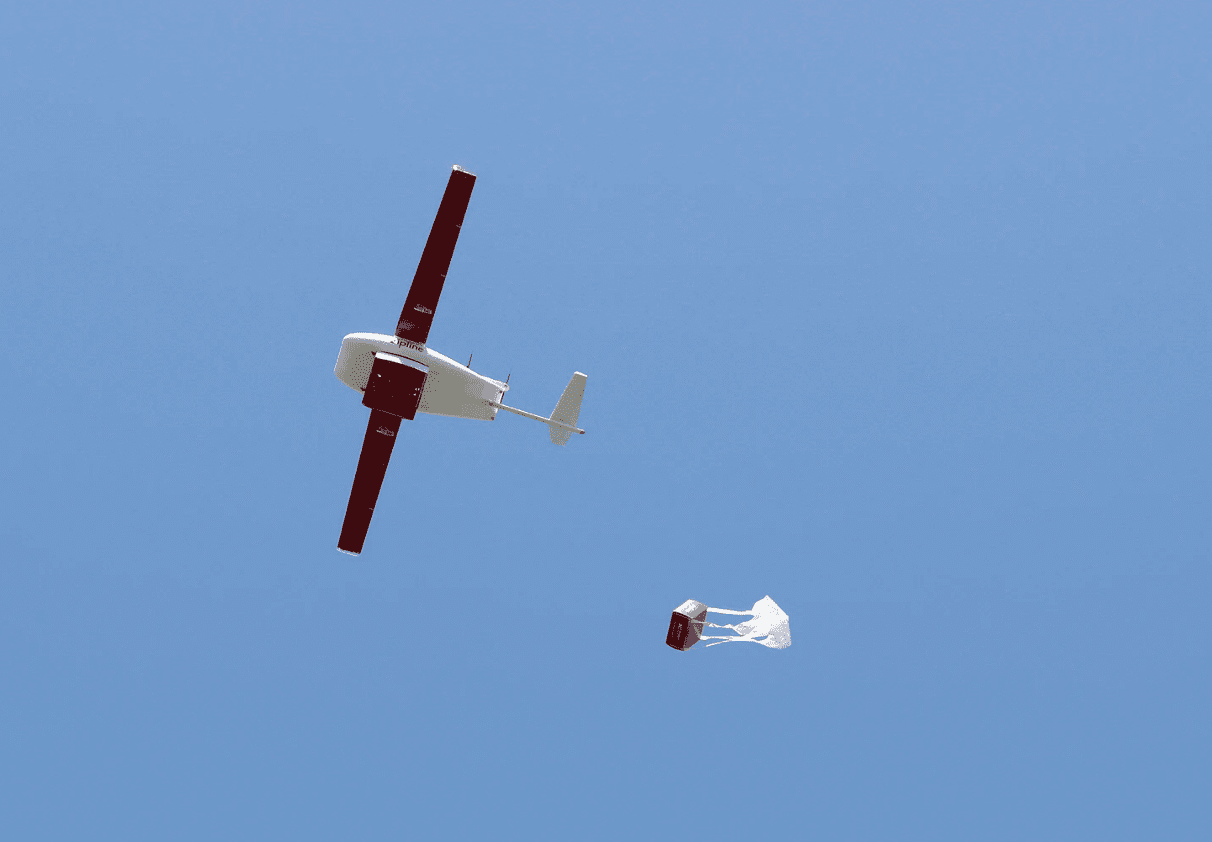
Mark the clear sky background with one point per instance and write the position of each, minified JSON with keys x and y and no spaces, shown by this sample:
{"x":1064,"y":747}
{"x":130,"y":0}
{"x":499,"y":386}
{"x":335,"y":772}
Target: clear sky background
{"x":896,"y":312}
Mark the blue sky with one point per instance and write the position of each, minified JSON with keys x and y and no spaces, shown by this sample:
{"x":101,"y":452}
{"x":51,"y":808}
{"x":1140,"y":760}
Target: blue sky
{"x":898,"y":313}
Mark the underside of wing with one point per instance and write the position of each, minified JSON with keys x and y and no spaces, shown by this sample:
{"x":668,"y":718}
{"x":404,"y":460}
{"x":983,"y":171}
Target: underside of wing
{"x":426,"y":289}
{"x":372,"y":467}
{"x":392,"y":393}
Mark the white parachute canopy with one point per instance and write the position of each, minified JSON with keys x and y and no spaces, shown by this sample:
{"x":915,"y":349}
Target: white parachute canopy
{"x":768,"y":625}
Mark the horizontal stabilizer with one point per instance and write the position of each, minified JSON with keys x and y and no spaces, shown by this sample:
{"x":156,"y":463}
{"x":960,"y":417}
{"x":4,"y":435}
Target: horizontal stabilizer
{"x":568,"y":409}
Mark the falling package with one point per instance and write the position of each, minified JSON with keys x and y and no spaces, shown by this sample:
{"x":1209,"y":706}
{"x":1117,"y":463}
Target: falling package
{"x":769,"y":625}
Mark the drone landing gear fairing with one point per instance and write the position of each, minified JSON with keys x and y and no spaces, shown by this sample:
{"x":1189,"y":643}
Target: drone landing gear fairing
{"x":399,"y":376}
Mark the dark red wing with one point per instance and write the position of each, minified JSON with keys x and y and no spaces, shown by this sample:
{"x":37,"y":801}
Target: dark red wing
{"x":372,"y":467}
{"x":426,"y":287}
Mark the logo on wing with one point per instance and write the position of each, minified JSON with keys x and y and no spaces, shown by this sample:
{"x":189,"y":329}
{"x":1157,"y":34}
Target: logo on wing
{"x":421,"y":308}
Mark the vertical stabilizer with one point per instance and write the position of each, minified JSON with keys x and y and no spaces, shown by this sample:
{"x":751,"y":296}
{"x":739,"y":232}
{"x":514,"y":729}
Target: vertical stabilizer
{"x":568,"y":409}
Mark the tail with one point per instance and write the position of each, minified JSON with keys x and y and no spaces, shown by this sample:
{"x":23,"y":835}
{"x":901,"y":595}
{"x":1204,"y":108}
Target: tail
{"x":568,"y":409}
{"x":563,"y":419}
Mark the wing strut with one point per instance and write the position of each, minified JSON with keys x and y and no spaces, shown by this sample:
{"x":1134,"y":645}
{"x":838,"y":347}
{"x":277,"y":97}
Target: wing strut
{"x":417,"y":315}
{"x":372,"y":467}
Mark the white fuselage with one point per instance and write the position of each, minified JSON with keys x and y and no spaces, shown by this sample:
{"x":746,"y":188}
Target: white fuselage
{"x":451,"y":389}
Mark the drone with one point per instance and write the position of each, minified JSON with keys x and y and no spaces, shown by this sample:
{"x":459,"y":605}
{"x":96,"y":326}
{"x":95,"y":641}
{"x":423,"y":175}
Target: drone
{"x":399,"y":376}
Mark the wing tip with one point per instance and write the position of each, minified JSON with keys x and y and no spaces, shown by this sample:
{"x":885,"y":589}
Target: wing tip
{"x":457,"y":168}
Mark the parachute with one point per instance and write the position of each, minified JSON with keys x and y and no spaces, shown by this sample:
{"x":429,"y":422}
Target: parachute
{"x":770,"y":626}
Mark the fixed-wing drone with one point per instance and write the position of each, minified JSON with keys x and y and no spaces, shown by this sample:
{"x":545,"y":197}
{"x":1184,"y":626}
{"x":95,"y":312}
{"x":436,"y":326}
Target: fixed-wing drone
{"x":399,"y":376}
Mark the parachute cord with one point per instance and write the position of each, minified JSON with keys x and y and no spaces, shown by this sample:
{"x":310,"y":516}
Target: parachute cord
{"x":727,"y":638}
